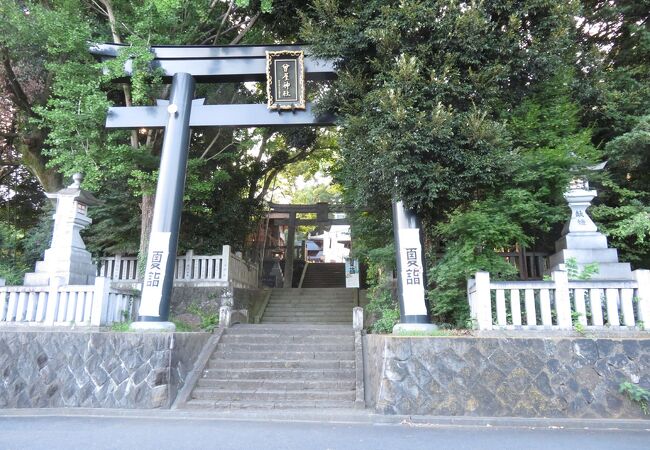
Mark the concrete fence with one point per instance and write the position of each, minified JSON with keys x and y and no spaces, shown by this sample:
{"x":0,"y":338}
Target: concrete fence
{"x":82,"y":305}
{"x":216,"y":270}
{"x":560,"y":303}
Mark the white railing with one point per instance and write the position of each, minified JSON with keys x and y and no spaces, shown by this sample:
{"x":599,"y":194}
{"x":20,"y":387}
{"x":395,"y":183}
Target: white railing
{"x":217,"y":270}
{"x":83,"y":305}
{"x":191,"y":267}
{"x":118,"y":267}
{"x":241,"y":273}
{"x":560,"y":303}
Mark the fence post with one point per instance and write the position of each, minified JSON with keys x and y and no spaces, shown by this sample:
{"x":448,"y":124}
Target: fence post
{"x":225,"y":263}
{"x":187,"y":273}
{"x":483,"y":301}
{"x":642,"y":277}
{"x":53,"y":300}
{"x":357,"y":318}
{"x":100,"y":301}
{"x":116,"y":273}
{"x":562,"y":299}
{"x":225,"y":316}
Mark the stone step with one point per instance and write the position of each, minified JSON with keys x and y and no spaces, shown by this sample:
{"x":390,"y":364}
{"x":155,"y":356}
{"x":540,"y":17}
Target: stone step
{"x":256,"y":328}
{"x":301,"y":310}
{"x":283,"y":356}
{"x":315,"y":321}
{"x":310,"y":301}
{"x":259,"y":395}
{"x":290,"y":318}
{"x":321,"y":305}
{"x":317,"y":331}
{"x":304,"y":308}
{"x":320,"y":276}
{"x":282,"y":366}
{"x":283,"y":339}
{"x":283,"y":373}
{"x":312,"y":290}
{"x":301,"y":404}
{"x":311,"y":298}
{"x":318,"y":307}
{"x":286,"y":347}
{"x":310,"y":364}
{"x":333,"y":298}
{"x":299,"y":313}
{"x":276,"y":385}
{"x":273,"y":337}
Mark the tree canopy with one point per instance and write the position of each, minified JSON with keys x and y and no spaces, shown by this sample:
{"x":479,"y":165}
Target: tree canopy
{"x":478,"y":114}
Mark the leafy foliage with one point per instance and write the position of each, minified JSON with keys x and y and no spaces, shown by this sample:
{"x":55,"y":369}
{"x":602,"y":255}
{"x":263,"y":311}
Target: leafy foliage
{"x":636,"y":393}
{"x":46,"y":45}
{"x":469,"y":118}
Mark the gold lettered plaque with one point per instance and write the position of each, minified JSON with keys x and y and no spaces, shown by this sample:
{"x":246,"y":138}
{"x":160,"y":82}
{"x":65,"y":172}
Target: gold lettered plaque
{"x":285,"y":79}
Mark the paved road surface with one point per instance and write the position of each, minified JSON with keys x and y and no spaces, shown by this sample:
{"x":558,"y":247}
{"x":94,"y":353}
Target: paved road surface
{"x":124,"y":433}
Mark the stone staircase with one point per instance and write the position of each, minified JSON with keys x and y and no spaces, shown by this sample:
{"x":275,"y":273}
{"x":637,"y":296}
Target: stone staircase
{"x":324,"y":306}
{"x":280,"y":367}
{"x":324,"y":275}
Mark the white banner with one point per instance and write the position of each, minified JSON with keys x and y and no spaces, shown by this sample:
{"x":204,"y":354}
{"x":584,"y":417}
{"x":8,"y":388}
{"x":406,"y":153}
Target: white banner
{"x":351,"y":273}
{"x":412,"y":275}
{"x":153,"y":277}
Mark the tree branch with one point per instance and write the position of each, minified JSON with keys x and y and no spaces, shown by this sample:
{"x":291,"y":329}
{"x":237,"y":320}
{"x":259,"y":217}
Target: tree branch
{"x":20,"y":98}
{"x":243,"y":32}
{"x":223,"y":20}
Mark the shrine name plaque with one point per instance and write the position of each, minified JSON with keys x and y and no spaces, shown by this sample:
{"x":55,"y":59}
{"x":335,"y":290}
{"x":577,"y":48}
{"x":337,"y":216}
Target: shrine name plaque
{"x":285,"y":75}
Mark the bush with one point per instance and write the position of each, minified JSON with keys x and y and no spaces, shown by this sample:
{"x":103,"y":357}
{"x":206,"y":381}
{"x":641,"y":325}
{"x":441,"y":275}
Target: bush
{"x":383,"y":307}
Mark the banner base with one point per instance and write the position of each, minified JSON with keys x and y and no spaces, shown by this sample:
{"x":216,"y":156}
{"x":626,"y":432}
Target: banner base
{"x":409,"y":327}
{"x":153,"y":326}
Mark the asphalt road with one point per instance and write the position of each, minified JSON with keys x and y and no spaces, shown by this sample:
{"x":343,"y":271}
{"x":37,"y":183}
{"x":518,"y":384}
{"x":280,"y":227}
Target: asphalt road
{"x":124,"y":433}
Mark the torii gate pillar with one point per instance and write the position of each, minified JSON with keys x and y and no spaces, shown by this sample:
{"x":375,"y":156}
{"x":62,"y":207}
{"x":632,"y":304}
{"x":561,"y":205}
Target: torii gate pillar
{"x":161,"y":257}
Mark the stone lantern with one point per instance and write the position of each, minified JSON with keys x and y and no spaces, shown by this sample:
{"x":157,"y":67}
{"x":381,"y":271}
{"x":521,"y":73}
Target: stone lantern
{"x":582,"y":241}
{"x":67,"y":257}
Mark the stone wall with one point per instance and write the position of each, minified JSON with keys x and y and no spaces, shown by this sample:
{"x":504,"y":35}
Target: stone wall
{"x":208,"y":298}
{"x":94,"y":369}
{"x":521,"y":377}
{"x":187,"y":347}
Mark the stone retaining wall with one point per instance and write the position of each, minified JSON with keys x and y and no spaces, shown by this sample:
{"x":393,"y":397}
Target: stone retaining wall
{"x":94,"y":369}
{"x":519,"y":377}
{"x":208,"y":298}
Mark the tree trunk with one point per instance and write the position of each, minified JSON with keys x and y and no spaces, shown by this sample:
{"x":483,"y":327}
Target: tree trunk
{"x":30,"y":148}
{"x":146,"y":207}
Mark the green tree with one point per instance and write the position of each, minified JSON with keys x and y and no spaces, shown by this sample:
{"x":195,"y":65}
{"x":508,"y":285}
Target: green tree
{"x":615,"y":93}
{"x":60,"y":94}
{"x":463,"y":117}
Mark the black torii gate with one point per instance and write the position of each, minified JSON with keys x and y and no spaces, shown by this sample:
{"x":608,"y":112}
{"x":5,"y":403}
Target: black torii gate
{"x":185,"y":65}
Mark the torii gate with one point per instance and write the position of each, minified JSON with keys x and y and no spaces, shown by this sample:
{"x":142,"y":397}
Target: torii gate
{"x":321,"y":210}
{"x":286,"y":69}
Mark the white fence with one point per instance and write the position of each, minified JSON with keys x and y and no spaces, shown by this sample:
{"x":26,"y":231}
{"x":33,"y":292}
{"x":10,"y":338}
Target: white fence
{"x":57,"y":304}
{"x":217,"y":270}
{"x":560,"y":303}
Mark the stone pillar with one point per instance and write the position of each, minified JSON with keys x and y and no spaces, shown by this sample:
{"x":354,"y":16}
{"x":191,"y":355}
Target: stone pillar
{"x":582,"y":241}
{"x":357,"y":318}
{"x":67,"y":257}
{"x":163,"y":242}
{"x":411,"y":276}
